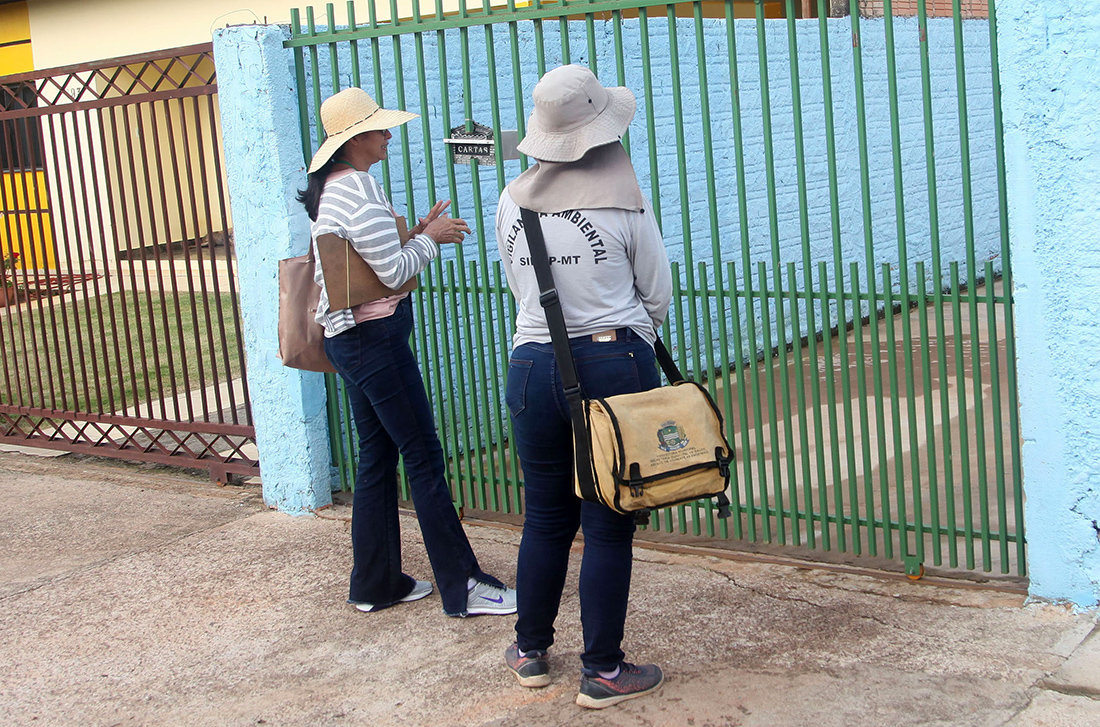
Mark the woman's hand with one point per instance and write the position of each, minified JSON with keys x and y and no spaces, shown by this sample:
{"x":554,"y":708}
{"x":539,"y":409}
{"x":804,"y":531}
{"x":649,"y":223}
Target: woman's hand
{"x":436,"y":210}
{"x":445,"y":229}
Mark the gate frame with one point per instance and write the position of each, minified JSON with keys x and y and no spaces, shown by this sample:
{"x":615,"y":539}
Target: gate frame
{"x":189,"y":444}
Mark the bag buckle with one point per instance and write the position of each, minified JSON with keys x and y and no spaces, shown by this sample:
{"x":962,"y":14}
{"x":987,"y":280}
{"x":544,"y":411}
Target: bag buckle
{"x":635,"y":482}
{"x":723,"y":506}
{"x":548,"y":297}
{"x":723,"y":463}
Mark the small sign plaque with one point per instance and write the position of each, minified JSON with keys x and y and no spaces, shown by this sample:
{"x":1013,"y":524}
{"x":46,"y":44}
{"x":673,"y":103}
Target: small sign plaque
{"x":478,"y":144}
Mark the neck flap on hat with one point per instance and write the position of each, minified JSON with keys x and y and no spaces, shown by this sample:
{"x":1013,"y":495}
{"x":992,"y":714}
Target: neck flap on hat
{"x":603,"y":178}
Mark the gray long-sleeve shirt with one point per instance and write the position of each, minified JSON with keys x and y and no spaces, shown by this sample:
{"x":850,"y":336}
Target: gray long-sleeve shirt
{"x":609,"y":266}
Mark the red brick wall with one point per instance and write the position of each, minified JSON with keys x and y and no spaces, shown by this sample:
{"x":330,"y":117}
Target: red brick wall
{"x":935,"y":8}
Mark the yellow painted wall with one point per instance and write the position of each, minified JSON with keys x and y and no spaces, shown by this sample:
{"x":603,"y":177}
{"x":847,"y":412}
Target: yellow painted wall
{"x":15,"y":26}
{"x":25,"y":219}
{"x":76,"y":31}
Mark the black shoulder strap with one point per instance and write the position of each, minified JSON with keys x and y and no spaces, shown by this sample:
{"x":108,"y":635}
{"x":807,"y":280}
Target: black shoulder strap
{"x":555,"y":321}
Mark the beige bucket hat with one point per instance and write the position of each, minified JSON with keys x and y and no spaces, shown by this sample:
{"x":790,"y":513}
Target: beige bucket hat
{"x":574,"y":113}
{"x":351,"y":112}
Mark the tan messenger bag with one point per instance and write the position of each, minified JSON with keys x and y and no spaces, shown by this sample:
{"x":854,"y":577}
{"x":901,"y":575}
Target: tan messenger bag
{"x":636,"y":452}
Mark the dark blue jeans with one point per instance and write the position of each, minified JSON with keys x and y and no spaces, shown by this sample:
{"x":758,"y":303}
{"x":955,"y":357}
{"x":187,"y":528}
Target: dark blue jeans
{"x":392,"y":417}
{"x":544,"y":442}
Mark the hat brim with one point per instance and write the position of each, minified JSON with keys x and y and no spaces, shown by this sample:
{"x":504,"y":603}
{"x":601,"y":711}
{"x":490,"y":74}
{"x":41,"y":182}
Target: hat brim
{"x":569,"y":146}
{"x":380,"y":119}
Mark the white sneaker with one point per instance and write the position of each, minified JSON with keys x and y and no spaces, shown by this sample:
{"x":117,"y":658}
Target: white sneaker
{"x":488,"y":599}
{"x":420,"y":590}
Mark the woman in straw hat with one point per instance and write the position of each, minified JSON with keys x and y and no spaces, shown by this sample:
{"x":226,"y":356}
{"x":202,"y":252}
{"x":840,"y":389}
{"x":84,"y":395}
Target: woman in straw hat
{"x":368,"y":345}
{"x":613,"y":280}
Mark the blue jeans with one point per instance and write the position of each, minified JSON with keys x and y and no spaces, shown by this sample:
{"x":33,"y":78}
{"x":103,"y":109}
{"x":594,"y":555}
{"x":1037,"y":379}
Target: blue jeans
{"x":544,"y":442}
{"x":393,"y":416}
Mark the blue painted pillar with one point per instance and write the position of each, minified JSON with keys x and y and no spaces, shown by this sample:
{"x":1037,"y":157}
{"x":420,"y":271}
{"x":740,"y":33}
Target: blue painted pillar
{"x":1051,"y":82}
{"x":263,"y":160}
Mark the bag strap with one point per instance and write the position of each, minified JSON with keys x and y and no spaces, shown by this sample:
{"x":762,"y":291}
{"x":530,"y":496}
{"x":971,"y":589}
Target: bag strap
{"x":559,"y":334}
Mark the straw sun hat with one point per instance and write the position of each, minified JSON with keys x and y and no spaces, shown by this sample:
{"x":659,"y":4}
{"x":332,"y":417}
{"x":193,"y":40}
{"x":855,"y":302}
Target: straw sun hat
{"x":574,"y":113}
{"x":349,"y":113}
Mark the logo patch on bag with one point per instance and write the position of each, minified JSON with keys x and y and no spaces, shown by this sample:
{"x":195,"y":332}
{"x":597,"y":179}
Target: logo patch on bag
{"x":671,"y":436}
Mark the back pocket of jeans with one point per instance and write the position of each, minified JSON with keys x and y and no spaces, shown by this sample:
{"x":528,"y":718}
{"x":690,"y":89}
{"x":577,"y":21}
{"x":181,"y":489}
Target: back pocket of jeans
{"x":515,"y":390}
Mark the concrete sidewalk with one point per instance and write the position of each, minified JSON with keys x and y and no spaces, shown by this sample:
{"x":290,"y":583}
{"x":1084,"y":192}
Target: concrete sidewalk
{"x":134,"y":597}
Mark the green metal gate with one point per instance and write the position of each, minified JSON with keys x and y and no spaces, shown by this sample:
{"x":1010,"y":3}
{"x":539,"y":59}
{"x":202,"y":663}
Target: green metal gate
{"x":849,"y":304}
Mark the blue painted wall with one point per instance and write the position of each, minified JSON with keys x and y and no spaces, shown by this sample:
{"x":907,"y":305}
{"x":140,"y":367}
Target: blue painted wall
{"x":263,"y":159}
{"x":1051,"y":83}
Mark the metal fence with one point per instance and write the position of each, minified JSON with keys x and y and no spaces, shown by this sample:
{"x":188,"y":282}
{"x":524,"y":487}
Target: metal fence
{"x":843,"y":284}
{"x":122,"y":333}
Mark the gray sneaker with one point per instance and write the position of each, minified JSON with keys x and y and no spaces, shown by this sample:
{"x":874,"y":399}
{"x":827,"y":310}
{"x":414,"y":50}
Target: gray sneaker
{"x":632,"y":681}
{"x":489,"y":599}
{"x":420,"y":590}
{"x":531,"y":669}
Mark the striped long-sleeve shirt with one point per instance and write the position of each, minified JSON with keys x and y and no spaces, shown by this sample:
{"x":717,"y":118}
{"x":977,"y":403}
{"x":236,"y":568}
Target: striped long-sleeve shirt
{"x":354,"y":207}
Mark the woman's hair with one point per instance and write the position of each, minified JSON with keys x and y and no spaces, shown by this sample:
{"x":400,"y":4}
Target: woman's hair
{"x":311,"y":195}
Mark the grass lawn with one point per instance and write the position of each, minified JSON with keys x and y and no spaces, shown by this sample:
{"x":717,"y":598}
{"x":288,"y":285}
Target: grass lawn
{"x":67,"y":353}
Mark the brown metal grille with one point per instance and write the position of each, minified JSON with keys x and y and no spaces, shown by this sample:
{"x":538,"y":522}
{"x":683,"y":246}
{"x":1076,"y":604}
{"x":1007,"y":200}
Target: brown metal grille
{"x":123,"y":333}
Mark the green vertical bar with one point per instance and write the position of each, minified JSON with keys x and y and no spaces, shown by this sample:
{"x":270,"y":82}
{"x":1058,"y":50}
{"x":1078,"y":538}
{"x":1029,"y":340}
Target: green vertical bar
{"x":496,"y":430}
{"x":486,"y":415}
{"x":540,"y":46}
{"x":509,"y":472}
{"x":903,"y":265}
{"x":399,"y":79}
{"x":834,"y":213}
{"x":903,"y":273}
{"x":355,"y":77}
{"x":349,"y":449}
{"x":748,"y":368}
{"x":895,"y":411}
{"x":315,"y":76}
{"x":938,"y":300}
{"x":300,"y":78}
{"x":333,"y":56}
{"x":681,"y":168}
{"x":865,"y":433}
{"x":773,"y":417}
{"x":929,"y":416}
{"x":517,"y":82}
{"x":1006,"y":282}
{"x":830,"y":408}
{"x":590,"y":33}
{"x":494,"y":106}
{"x":376,"y":60}
{"x":964,"y":433}
{"x":705,"y":292}
{"x":476,"y":471}
{"x":856,"y":315}
{"x":712,"y":190}
{"x":997,"y":422}
{"x":651,"y":128}
{"x":971,"y":282}
{"x":742,"y":412}
{"x":869,"y":253}
{"x":678,"y":316}
{"x":335,"y":429}
{"x":563,"y":30}
{"x":457,"y":312}
{"x":620,"y":68}
{"x":800,"y":392}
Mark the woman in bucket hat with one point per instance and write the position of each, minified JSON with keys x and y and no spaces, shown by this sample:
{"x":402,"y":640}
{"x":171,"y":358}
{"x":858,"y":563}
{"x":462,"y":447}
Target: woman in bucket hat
{"x":613,"y":280}
{"x":368,"y":345}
